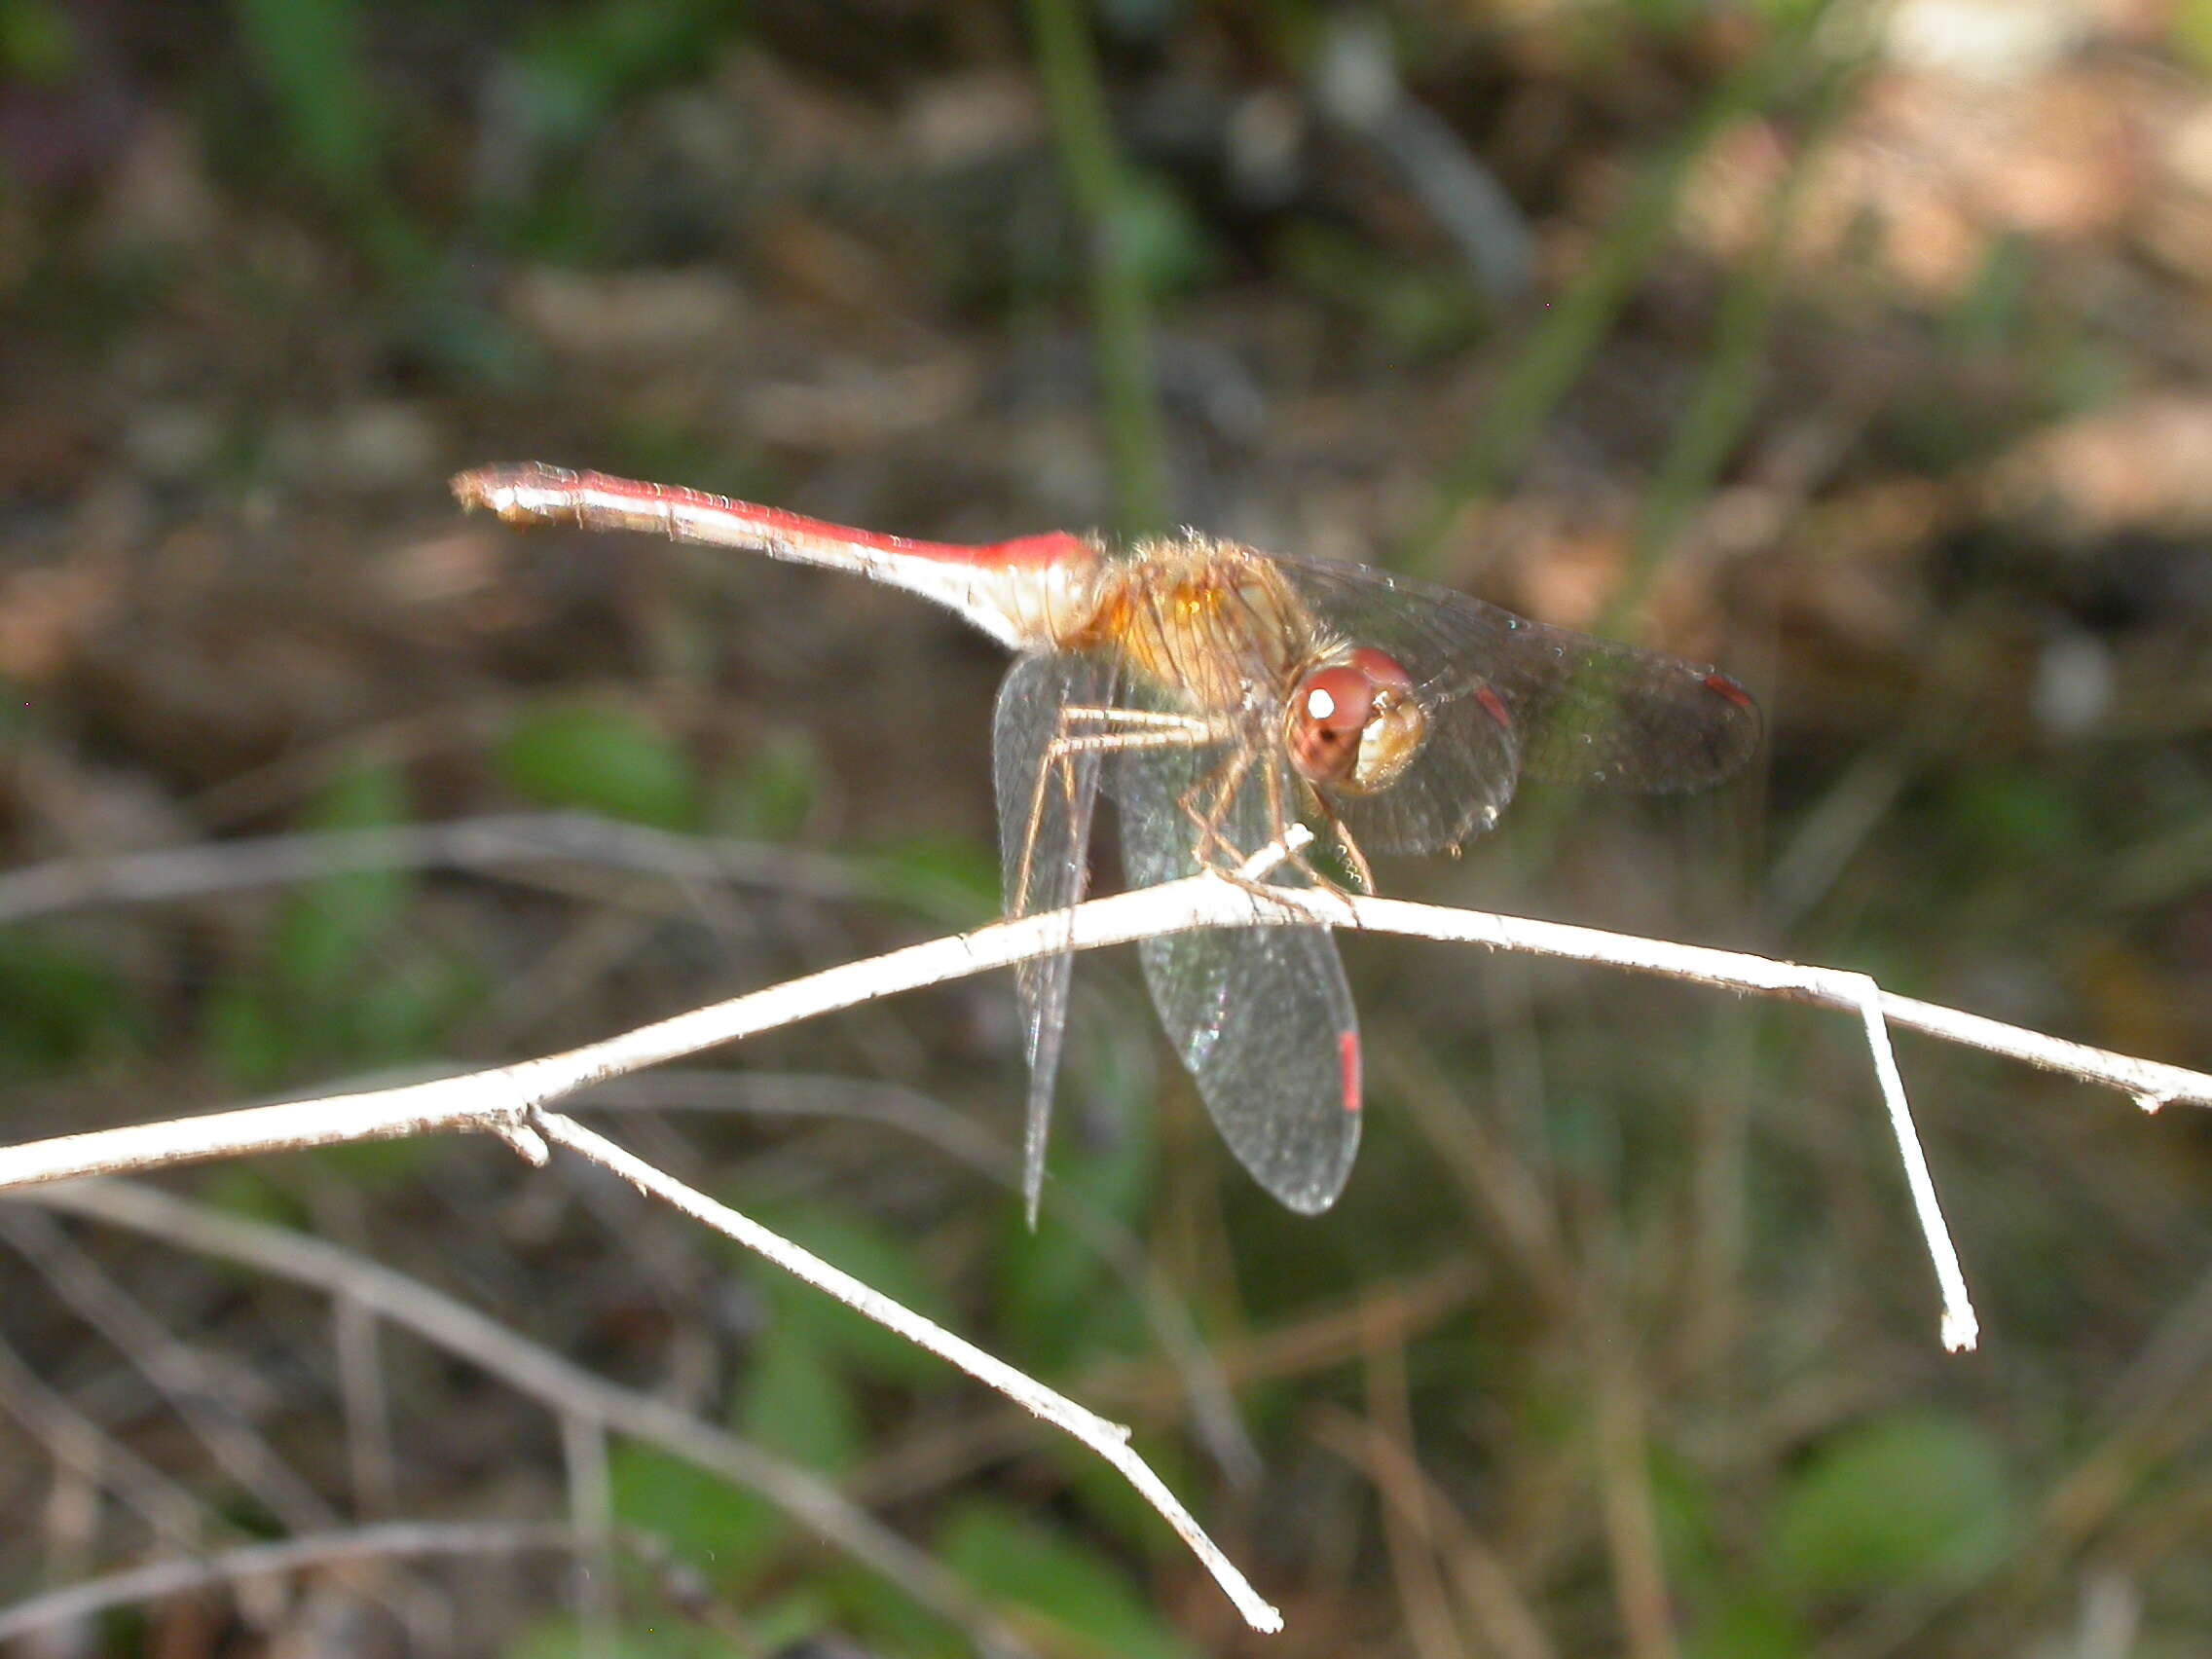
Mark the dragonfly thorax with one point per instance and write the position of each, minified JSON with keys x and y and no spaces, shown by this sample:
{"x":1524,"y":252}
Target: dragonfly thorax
{"x":1209,"y":622}
{"x":1220,"y":629}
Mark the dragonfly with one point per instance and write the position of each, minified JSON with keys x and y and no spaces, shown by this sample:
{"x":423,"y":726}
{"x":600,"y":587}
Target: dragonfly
{"x":1222,"y":697}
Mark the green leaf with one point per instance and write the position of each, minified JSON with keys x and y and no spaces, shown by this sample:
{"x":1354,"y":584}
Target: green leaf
{"x":798,"y":1402}
{"x":1753,"y":1627}
{"x":957,"y":881}
{"x":58,"y":1005}
{"x":1413,"y":309}
{"x":336,"y":984}
{"x":309,"y":57}
{"x":563,"y":1637}
{"x":794,"y":1402}
{"x":249,"y":1190}
{"x":244,"y":1034}
{"x":38,"y":47}
{"x":1682,"y":1506}
{"x":1989,"y":315}
{"x":261,"y":1034}
{"x":1157,"y":234}
{"x":600,"y":759}
{"x":327,"y":925}
{"x":315,"y":947}
{"x":2192,"y":26}
{"x":579,"y":59}
{"x":720,"y":1529}
{"x":403,"y":1015}
{"x":771,"y":796}
{"x":785,"y":1625}
{"x":1908,"y":1500}
{"x":1054,"y":1292}
{"x":1015,"y":1558}
{"x":372,"y":1163}
{"x":1104,"y":1495}
{"x":888,"y":1620}
{"x":2009,"y":809}
{"x":887,"y":1264}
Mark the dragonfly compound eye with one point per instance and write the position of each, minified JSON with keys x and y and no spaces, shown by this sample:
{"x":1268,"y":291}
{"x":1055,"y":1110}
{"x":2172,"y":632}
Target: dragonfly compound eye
{"x":1355,"y":724}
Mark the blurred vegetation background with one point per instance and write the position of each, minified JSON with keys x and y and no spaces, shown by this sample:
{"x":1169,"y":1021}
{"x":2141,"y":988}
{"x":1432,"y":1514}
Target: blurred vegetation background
{"x":1860,"y":347}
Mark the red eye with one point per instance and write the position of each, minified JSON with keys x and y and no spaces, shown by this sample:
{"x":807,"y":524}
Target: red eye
{"x":1380,"y":670}
{"x":1355,"y":725}
{"x":1327,"y":715}
{"x":1337,"y":699}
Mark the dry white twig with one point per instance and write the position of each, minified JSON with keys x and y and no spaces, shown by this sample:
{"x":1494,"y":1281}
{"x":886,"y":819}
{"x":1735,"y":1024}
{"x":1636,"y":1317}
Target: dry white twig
{"x":508,"y":1100}
{"x":385,"y":1541}
{"x":894,"y":1106}
{"x":492,"y":841}
{"x":533,"y":1372}
{"x":1110,"y":1440}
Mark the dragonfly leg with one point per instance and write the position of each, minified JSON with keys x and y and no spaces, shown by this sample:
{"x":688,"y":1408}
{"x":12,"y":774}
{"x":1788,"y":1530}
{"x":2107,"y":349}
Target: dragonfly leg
{"x":1278,"y":820}
{"x":1212,"y":850}
{"x":1296,"y":855}
{"x":1362,"y":872}
{"x":1205,"y":803}
{"x":1194,"y":727}
{"x":1127,"y":729}
{"x":1052,"y":763}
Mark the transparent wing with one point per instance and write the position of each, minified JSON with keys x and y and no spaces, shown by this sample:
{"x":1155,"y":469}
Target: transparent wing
{"x":1261,"y":1016}
{"x":1046,"y":799}
{"x":1507,"y":698}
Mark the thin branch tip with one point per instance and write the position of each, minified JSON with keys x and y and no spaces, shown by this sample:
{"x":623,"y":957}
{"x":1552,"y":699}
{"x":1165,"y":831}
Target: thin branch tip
{"x":524,"y":1141}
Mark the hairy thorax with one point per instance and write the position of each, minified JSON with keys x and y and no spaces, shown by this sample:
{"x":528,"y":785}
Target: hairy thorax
{"x":1205,"y":620}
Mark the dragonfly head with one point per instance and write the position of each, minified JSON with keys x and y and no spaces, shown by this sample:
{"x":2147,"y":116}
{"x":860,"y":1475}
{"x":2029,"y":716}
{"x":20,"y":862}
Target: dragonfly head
{"x":1353,"y":723}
